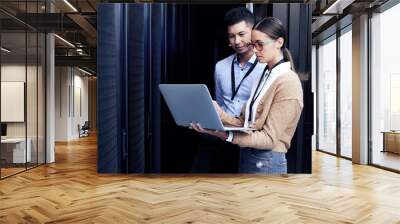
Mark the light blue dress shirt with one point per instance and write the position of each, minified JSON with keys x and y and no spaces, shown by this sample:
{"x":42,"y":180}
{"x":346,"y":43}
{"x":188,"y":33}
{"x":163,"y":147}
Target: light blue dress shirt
{"x":223,"y":89}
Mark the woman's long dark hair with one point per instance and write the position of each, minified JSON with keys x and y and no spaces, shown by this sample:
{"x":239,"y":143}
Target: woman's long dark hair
{"x":274,"y":28}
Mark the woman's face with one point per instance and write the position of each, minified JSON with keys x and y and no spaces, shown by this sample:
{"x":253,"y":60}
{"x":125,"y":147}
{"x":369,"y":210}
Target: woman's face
{"x":265,"y":48}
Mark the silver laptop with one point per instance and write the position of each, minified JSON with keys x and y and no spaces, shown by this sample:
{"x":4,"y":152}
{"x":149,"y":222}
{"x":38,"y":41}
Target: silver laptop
{"x":192,"y":103}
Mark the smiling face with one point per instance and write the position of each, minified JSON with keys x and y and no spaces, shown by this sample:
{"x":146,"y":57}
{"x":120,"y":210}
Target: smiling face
{"x":239,"y":35}
{"x":266,"y":48}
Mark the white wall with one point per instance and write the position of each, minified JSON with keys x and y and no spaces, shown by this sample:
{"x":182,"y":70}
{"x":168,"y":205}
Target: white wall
{"x":79,"y":106}
{"x":13,"y":101}
{"x":13,"y":72}
{"x":70,"y":83}
{"x":62,"y":81}
{"x":16,"y":72}
{"x":33,"y":127}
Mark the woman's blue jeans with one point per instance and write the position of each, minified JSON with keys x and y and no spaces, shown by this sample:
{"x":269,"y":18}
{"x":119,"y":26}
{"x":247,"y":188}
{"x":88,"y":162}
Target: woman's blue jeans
{"x":263,"y":161}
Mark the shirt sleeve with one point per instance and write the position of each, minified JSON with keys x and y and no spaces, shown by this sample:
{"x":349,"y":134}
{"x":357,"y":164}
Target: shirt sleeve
{"x":218,"y":90}
{"x":228,"y":120}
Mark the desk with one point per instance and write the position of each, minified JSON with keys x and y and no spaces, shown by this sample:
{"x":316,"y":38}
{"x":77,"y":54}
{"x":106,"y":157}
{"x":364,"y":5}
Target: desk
{"x":15,"y":148}
{"x":391,"y":141}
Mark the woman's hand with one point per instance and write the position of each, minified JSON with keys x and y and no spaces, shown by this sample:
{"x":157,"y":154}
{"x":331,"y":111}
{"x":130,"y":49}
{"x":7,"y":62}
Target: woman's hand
{"x":220,"y":134}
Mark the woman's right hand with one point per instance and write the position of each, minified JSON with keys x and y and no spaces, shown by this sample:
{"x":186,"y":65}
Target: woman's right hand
{"x":220,"y":134}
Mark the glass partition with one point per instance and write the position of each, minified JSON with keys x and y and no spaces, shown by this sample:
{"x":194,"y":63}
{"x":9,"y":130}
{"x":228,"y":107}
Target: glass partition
{"x":14,"y":153}
{"x":346,"y":93}
{"x":385,"y":89}
{"x":22,"y":88}
{"x":327,"y":96}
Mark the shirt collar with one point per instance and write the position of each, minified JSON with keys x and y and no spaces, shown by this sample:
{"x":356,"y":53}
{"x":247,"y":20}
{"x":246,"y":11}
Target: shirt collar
{"x":281,"y":68}
{"x":251,"y":60}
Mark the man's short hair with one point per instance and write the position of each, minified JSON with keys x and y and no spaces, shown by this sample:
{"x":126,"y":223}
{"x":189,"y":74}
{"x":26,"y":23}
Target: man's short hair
{"x":237,"y":15}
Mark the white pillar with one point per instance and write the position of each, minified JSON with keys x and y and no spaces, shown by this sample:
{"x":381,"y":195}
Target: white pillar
{"x":50,"y":92}
{"x":50,"y":99}
{"x":360,"y":90}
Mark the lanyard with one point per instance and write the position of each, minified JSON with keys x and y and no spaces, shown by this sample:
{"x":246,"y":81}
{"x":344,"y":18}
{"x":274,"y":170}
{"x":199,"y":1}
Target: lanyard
{"x":233,"y":85}
{"x":255,"y":96}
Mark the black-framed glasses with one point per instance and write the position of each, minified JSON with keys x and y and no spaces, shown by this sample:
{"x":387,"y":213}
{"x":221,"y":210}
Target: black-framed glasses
{"x":259,"y":45}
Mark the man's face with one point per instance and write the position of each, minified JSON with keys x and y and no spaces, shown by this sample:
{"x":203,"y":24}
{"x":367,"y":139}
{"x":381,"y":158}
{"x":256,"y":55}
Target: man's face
{"x":239,"y":35}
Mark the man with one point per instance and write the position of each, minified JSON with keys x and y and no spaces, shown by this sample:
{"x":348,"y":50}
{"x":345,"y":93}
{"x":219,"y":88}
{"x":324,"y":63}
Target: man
{"x":234,"y":78}
{"x":233,"y":86}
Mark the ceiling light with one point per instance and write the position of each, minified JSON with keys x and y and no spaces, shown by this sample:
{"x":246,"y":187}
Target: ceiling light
{"x":70,"y":5}
{"x":84,"y":71}
{"x":5,"y":50}
{"x":331,"y":7}
{"x":65,"y":41}
{"x":338,"y":6}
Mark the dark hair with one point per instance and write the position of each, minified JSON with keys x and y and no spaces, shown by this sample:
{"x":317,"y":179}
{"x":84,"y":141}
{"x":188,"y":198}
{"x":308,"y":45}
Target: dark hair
{"x":237,"y":15}
{"x":274,"y":28}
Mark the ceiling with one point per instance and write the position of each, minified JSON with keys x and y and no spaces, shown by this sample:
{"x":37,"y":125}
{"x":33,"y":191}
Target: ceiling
{"x":331,"y":15}
{"x":75,"y":21}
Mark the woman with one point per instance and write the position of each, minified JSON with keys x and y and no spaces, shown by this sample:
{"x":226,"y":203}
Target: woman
{"x":274,"y":107}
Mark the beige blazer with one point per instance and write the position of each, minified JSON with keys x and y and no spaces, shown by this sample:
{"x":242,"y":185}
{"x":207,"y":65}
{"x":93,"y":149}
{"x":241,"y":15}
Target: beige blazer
{"x":277,"y":115}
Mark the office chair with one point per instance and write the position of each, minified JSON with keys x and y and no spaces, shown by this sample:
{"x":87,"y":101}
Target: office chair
{"x":84,"y":130}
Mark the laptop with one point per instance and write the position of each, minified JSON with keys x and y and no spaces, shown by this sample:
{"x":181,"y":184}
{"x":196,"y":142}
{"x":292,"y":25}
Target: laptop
{"x":192,"y":103}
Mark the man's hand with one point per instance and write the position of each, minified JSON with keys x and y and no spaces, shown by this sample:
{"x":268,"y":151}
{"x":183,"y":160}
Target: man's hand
{"x":220,"y":134}
{"x":217,"y":107}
